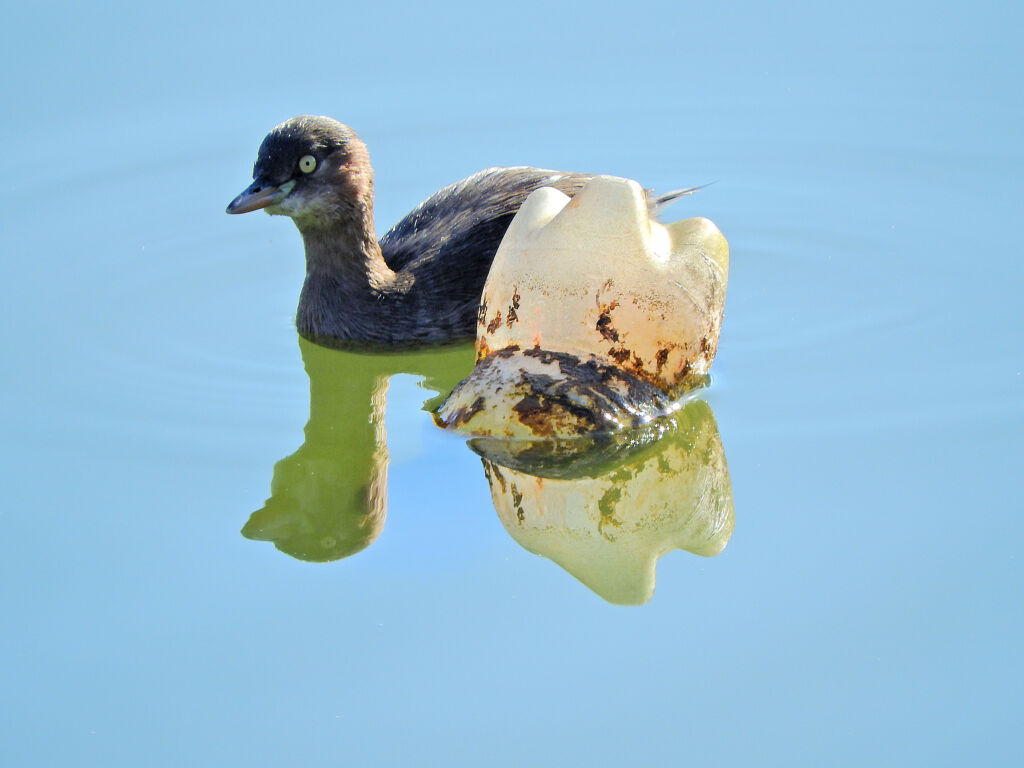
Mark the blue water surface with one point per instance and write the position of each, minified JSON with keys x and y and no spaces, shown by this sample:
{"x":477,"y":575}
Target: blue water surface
{"x":869,"y":391}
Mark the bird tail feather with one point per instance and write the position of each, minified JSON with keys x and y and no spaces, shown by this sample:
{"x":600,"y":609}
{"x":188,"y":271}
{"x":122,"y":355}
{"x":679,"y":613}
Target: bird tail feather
{"x":658,"y":203}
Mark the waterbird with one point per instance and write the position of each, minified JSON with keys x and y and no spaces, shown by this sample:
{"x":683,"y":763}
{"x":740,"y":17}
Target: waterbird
{"x":421,"y":282}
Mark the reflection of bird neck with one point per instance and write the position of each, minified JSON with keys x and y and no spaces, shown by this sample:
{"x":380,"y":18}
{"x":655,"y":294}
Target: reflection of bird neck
{"x":344,"y":389}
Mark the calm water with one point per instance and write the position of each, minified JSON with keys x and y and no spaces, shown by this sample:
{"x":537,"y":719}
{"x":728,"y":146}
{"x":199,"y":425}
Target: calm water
{"x":868,"y":395}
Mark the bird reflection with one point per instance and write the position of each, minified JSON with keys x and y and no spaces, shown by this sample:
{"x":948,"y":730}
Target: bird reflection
{"x":608,"y":513}
{"x":328,"y":500}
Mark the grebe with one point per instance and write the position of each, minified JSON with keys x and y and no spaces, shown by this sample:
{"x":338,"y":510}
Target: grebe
{"x":421,"y":283}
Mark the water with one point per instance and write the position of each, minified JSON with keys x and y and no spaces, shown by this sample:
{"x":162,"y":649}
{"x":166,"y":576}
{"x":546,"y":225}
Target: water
{"x":867,"y":393}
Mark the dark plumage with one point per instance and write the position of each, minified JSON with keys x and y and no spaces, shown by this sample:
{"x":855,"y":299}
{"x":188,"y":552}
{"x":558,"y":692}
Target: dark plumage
{"x":421,"y":283}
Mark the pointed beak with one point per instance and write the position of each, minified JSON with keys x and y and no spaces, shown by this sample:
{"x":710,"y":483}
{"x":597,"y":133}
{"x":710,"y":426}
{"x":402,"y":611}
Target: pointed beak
{"x":259,"y":194}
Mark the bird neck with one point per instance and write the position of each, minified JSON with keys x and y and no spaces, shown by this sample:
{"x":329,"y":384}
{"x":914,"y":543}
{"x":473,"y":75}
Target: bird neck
{"x":345,"y":249}
{"x":347,"y":279}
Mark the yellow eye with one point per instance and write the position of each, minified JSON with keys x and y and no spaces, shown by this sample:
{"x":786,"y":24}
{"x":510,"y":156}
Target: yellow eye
{"x":307,"y":164}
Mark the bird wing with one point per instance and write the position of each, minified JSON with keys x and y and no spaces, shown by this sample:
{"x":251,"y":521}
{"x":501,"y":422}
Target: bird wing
{"x":465,"y":221}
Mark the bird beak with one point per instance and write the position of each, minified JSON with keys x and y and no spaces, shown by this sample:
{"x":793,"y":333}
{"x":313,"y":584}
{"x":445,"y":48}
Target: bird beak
{"x":258,"y":195}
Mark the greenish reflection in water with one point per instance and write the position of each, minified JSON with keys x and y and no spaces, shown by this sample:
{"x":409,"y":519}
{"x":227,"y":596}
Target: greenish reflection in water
{"x":604,"y":509}
{"x":328,"y":500}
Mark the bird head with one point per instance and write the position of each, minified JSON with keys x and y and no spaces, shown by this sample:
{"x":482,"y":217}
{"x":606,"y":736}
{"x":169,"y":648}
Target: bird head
{"x":313,"y":169}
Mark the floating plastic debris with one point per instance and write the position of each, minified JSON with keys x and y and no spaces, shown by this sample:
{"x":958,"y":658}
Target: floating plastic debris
{"x":594,"y":316}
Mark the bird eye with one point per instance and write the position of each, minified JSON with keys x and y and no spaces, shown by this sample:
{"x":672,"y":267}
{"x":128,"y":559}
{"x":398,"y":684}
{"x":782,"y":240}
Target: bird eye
{"x":307,"y":164}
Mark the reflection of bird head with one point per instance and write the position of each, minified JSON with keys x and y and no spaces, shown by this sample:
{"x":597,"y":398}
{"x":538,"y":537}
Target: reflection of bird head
{"x":314,"y":169}
{"x":316,"y":512}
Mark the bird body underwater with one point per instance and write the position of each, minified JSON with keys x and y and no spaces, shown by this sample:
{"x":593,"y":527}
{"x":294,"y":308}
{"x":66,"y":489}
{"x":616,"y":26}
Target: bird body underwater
{"x":421,"y":282}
